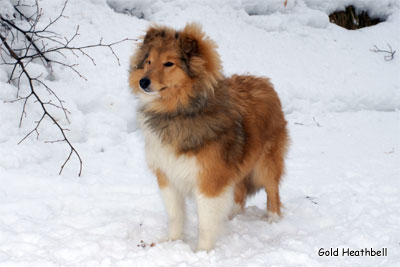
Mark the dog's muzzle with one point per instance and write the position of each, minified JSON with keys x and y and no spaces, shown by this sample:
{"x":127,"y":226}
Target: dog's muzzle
{"x":144,"y":84}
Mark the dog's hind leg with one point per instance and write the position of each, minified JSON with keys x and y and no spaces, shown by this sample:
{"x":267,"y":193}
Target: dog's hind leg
{"x":268,"y":173}
{"x":240,"y":192}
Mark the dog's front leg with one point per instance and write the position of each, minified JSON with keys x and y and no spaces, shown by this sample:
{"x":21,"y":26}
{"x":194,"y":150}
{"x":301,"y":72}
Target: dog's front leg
{"x":175,"y":206}
{"x":212,"y":212}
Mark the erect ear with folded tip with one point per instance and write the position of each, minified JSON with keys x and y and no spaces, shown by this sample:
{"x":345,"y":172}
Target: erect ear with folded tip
{"x":189,"y":46}
{"x":153,"y":33}
{"x":149,"y":35}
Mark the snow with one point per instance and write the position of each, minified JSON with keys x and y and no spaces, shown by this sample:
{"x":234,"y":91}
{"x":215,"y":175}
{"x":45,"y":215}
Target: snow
{"x":6,"y":8}
{"x":341,"y":100}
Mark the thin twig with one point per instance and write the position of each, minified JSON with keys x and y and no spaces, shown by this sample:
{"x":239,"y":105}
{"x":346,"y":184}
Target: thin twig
{"x":25,"y":33}
{"x":28,"y":43}
{"x":45,"y":114}
{"x":319,"y":125}
{"x":390,"y":52}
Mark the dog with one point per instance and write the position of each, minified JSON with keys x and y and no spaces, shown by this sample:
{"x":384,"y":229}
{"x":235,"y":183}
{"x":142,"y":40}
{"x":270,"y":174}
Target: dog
{"x":218,"y":139}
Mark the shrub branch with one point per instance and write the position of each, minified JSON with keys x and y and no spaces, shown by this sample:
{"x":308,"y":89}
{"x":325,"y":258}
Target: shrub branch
{"x":42,"y":45}
{"x":390,"y":52}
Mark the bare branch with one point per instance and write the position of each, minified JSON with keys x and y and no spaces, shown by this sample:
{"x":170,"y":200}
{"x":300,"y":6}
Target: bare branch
{"x":316,"y":122}
{"x":26,"y":34}
{"x":390,"y":52}
{"x":45,"y":114}
{"x":26,"y":44}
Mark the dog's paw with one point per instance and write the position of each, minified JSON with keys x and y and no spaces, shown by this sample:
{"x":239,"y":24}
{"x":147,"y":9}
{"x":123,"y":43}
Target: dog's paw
{"x":163,"y":240}
{"x":272,"y":217}
{"x":204,"y":248}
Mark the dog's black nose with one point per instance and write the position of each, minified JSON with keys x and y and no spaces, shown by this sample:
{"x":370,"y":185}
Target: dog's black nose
{"x":144,"y":83}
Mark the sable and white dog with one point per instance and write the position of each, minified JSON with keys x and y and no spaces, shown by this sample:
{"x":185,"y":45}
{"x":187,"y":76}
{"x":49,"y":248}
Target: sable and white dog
{"x":220,"y":139}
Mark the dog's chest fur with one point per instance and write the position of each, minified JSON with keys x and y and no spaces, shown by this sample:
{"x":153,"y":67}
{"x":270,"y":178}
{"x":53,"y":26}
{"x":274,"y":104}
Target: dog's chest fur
{"x":181,"y":170}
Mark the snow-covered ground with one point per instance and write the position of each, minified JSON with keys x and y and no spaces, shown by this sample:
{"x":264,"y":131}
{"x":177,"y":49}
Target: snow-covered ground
{"x":342,"y":187}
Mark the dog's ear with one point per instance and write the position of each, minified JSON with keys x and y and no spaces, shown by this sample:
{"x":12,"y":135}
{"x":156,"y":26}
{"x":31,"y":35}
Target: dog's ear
{"x":189,"y":45}
{"x":199,"y":54}
{"x":150,"y":34}
{"x":191,"y":39}
{"x":154,"y":32}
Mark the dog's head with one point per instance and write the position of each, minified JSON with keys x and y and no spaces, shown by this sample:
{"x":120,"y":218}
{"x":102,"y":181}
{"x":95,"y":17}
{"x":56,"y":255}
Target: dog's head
{"x":170,"y":68}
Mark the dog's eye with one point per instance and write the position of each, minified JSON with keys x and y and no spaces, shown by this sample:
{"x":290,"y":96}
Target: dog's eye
{"x":149,"y":62}
{"x":168,"y":64}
